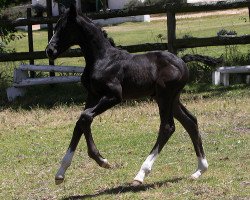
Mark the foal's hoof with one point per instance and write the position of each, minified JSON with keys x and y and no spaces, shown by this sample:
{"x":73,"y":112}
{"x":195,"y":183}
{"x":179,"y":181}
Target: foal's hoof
{"x":106,"y":164}
{"x":59,"y":180}
{"x":198,"y":173}
{"x":195,"y":176}
{"x":136,"y":183}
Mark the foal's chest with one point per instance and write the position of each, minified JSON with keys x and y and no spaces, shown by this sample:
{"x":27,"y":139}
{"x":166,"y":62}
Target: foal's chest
{"x":94,"y":81}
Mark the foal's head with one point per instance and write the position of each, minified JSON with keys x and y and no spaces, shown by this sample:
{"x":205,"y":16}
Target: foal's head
{"x":73,"y":28}
{"x":66,"y":34}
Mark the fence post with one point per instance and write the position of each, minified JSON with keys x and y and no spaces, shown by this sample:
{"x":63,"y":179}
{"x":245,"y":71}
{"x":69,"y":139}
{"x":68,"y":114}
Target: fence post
{"x":50,"y":29}
{"x":30,"y":41}
{"x":104,"y":5}
{"x":171,"y":26}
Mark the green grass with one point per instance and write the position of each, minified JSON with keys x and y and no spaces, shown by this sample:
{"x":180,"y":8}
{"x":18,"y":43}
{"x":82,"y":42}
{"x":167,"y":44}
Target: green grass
{"x":197,"y":27}
{"x":139,"y":33}
{"x":34,"y":140}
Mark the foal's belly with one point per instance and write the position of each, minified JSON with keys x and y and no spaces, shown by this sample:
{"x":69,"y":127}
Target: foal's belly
{"x":131,"y":90}
{"x":138,"y":81}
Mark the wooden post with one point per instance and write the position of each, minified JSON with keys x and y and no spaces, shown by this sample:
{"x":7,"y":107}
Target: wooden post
{"x":216,"y":78}
{"x":104,"y":5}
{"x":30,"y":41}
{"x":171,"y":26}
{"x":225,"y":79}
{"x":97,"y":5}
{"x":50,"y":29}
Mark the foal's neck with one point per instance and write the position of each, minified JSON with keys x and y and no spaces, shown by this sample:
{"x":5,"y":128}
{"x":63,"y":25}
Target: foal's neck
{"x":93,"y":43}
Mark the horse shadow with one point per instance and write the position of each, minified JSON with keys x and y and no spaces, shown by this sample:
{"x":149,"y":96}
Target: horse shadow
{"x":125,"y":188}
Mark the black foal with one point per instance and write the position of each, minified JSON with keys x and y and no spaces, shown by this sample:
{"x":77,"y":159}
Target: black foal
{"x":112,"y":75}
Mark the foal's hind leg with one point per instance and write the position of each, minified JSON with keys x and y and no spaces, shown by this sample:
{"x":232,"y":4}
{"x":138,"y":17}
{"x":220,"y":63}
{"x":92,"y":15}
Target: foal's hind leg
{"x":165,"y":103}
{"x":189,"y":122}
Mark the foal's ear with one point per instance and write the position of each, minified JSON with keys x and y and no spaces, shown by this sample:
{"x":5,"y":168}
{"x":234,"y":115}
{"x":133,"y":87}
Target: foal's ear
{"x":72,"y":11}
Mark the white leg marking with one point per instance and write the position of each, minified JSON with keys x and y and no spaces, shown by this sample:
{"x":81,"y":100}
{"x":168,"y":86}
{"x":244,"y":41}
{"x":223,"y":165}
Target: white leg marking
{"x":146,"y":166}
{"x":202,"y":167}
{"x":66,"y":161}
{"x":105,"y":164}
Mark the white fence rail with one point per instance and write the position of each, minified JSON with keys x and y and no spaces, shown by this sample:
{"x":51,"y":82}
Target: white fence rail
{"x":221,"y":75}
{"x":21,"y":78}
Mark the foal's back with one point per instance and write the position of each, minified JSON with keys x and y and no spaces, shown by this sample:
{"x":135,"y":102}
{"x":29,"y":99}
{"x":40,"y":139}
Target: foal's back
{"x":142,"y":72}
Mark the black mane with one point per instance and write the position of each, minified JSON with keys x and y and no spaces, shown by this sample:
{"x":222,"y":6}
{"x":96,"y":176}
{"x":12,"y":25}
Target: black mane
{"x":110,"y":39}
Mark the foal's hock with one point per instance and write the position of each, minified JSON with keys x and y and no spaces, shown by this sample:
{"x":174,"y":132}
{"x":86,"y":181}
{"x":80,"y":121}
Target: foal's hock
{"x":111,"y":75}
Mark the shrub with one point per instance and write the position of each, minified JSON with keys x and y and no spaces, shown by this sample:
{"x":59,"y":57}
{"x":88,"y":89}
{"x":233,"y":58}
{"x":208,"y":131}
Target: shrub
{"x":7,"y":33}
{"x":224,"y":32}
{"x":6,"y":3}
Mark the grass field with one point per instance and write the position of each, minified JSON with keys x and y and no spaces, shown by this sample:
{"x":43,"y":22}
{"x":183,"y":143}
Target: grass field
{"x":34,"y":139}
{"x":35,"y":132}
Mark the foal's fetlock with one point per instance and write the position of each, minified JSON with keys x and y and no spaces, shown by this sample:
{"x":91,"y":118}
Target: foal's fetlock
{"x":202,"y":167}
{"x":105,"y":164}
{"x":59,"y":178}
{"x":144,"y":171}
{"x":102,"y":162}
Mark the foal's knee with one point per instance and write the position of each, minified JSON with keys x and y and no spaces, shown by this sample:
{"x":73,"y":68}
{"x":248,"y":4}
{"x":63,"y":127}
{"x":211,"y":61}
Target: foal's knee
{"x":167,"y":128}
{"x":172,"y":128}
{"x":84,"y":122}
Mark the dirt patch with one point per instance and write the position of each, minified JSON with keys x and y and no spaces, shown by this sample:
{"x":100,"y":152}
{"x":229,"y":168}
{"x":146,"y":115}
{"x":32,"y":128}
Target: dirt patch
{"x":203,"y":14}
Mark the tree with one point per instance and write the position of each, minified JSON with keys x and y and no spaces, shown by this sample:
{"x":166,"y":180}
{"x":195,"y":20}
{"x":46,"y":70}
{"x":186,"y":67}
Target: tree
{"x":7,"y":33}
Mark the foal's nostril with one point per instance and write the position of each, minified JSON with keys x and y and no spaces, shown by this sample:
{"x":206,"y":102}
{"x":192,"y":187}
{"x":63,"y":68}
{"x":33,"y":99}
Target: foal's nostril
{"x":49,"y":52}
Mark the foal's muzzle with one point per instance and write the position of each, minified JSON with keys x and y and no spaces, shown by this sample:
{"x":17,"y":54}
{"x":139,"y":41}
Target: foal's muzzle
{"x":51,"y":52}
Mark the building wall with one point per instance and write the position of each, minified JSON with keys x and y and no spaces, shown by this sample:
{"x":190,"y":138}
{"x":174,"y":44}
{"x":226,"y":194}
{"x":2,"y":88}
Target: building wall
{"x":118,"y":4}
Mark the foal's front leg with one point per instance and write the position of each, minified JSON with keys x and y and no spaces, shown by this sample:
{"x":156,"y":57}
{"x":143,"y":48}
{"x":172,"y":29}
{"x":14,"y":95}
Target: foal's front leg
{"x":104,"y":104}
{"x":83,"y":126}
{"x":77,"y":133}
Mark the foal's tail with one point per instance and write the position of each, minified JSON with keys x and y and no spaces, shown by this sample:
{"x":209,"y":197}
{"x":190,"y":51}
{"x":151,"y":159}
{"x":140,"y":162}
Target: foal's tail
{"x":204,"y":59}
